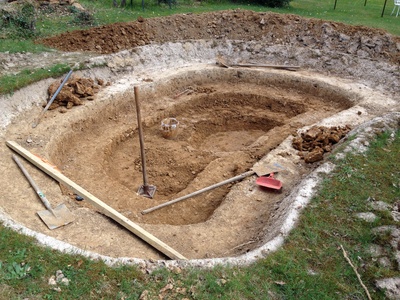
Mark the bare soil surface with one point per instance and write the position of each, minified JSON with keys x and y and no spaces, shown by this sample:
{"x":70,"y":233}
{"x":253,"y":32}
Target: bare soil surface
{"x":231,"y":120}
{"x":232,"y":25}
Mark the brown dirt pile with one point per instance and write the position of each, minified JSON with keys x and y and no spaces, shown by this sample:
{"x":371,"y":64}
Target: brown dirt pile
{"x":232,"y":25}
{"x":318,"y":140}
{"x":74,"y":92}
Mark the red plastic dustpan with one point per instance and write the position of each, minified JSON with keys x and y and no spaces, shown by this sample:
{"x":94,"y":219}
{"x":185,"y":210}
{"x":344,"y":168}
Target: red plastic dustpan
{"x":269,"y":182}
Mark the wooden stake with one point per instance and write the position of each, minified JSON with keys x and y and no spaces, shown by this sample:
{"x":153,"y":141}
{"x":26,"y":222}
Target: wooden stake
{"x":104,"y":208}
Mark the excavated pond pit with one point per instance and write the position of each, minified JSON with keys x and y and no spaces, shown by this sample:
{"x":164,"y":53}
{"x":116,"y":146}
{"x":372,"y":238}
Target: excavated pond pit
{"x":230,"y":121}
{"x":223,"y":132}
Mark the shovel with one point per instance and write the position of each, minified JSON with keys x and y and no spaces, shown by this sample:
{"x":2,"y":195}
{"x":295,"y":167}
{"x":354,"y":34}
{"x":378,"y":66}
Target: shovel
{"x":258,"y":170}
{"x":269,"y":182}
{"x":53,"y":218}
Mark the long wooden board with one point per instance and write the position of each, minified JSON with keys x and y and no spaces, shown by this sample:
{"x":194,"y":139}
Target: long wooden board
{"x":104,"y":208}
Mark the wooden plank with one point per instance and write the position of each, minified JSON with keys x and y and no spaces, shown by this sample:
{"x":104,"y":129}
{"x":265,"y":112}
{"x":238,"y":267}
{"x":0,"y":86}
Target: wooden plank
{"x":104,"y":208}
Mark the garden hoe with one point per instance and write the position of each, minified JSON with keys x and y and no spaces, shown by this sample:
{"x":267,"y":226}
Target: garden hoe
{"x":53,"y":218}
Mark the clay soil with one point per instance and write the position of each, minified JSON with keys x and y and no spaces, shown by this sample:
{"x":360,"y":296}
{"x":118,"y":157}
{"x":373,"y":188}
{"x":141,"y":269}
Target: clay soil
{"x":225,"y":127}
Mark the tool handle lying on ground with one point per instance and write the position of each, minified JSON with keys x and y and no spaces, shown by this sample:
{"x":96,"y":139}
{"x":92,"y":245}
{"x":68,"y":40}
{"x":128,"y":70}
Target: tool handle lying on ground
{"x":53,"y":218}
{"x":283,"y":67}
{"x":51,"y":100}
{"x":239,"y":177}
{"x":33,"y":184}
{"x":221,"y":62}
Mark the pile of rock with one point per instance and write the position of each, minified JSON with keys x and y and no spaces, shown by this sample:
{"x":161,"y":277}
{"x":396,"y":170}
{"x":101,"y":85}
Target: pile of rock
{"x":43,"y":2}
{"x":318,"y":140}
{"x":74,"y":92}
{"x":40,"y":3}
{"x":61,"y":3}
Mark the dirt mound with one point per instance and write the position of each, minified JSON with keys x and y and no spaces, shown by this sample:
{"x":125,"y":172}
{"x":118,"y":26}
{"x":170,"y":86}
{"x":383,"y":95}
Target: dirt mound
{"x":232,"y":25}
{"x":74,"y":91}
{"x":318,"y":140}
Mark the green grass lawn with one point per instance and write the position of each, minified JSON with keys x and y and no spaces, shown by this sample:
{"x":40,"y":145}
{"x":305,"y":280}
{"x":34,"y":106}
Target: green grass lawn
{"x":310,"y":265}
{"x":350,"y":12}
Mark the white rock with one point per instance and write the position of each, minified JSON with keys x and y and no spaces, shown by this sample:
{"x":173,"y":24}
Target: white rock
{"x":368,"y":216}
{"x":391,"y":287}
{"x":52,"y":280}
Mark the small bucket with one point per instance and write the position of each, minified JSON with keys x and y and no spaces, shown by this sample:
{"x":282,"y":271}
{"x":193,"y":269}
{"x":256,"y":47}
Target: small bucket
{"x":169,"y":128}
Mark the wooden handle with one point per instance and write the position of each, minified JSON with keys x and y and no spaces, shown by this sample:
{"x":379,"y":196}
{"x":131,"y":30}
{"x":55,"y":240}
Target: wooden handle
{"x":239,"y":177}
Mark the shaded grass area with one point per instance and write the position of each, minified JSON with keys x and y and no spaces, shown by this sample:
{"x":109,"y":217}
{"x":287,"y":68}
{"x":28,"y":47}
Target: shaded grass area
{"x":11,"y":83}
{"x":21,"y":46}
{"x":310,"y":265}
{"x":349,"y":12}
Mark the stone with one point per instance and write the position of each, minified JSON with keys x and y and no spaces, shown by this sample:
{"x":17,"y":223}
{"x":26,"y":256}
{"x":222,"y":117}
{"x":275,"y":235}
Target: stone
{"x":368,"y":216}
{"x":391,"y":286}
{"x":314,"y":156}
{"x":65,"y":281}
{"x":385,"y":262}
{"x":376,"y":250}
{"x":317,"y":141}
{"x":78,"y":6}
{"x":380,"y":206}
{"x":297,"y":143}
{"x":52,"y":280}
{"x":396,"y":216}
{"x":311,"y":134}
{"x":384,"y":229}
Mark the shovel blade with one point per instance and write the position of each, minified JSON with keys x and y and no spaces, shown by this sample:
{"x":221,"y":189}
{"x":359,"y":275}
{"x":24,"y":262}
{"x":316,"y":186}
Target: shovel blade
{"x":62,"y":216}
{"x":269,"y":182}
{"x":147,"y":191}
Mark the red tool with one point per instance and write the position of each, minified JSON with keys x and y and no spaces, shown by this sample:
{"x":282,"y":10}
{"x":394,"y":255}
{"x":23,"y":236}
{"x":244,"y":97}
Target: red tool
{"x":269,"y":182}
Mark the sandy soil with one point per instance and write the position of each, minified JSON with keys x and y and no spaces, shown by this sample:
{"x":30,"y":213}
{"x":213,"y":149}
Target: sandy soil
{"x":231,"y":120}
